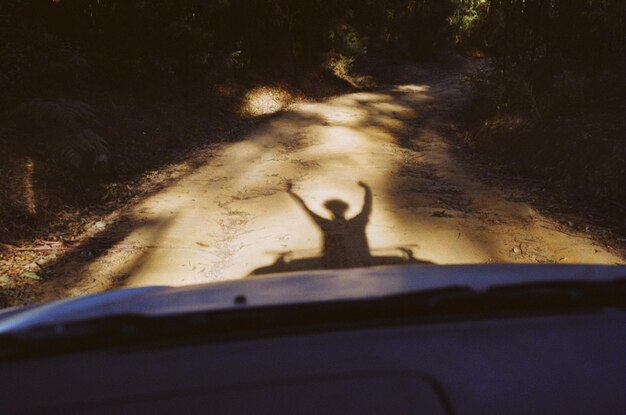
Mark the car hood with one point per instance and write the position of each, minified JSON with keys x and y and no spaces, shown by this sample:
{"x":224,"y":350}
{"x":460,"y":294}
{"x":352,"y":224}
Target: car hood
{"x":296,"y":288}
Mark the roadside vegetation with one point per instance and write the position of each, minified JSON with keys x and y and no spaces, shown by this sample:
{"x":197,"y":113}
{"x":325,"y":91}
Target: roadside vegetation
{"x":551,"y":107}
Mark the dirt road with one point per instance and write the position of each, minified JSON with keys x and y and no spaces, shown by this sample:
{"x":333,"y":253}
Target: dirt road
{"x":227,"y":215}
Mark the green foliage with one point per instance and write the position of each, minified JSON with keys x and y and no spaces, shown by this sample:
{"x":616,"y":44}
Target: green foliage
{"x":469,"y":21}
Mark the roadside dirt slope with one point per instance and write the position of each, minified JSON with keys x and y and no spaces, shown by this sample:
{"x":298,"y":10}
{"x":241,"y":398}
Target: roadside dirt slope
{"x":227,"y":215}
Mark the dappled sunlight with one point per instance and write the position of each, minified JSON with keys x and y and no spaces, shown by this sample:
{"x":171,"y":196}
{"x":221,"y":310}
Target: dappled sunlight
{"x":232,"y":216}
{"x":336,"y":114}
{"x":265,"y":100}
{"x":344,"y":141}
{"x":411,"y":88}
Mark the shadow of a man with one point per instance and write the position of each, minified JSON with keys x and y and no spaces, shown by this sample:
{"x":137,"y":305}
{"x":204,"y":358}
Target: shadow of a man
{"x":344,"y":240}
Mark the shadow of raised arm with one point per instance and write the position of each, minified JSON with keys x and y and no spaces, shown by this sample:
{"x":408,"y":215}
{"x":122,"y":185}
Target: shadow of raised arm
{"x":364,"y":215}
{"x":316,"y":218}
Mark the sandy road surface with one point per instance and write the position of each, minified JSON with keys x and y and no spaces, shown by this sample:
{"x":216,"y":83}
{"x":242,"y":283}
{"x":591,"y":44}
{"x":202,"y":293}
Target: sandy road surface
{"x":230,"y":214}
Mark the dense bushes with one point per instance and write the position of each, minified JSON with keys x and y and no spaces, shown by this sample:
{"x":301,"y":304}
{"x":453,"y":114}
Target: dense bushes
{"x":50,"y":47}
{"x":585,"y":33}
{"x":549,"y":49}
{"x":552,"y":104}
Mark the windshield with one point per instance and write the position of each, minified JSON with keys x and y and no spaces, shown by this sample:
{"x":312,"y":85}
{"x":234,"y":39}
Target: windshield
{"x":180,"y":143}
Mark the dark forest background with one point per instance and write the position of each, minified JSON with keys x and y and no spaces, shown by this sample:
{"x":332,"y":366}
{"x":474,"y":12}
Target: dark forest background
{"x":95,"y":92}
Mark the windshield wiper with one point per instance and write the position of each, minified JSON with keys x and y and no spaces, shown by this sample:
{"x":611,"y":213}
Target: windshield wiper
{"x":448,"y":304}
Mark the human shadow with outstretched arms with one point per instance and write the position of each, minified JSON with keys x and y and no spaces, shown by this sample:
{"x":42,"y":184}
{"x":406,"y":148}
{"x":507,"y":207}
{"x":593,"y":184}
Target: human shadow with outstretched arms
{"x":344,"y":240}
